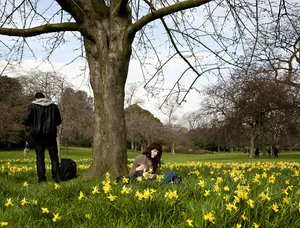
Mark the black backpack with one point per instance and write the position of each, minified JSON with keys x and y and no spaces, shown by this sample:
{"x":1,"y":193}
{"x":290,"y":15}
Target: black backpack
{"x":67,"y":169}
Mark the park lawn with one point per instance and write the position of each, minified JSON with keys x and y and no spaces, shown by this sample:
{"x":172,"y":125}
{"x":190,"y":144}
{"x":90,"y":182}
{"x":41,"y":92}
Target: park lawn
{"x":78,"y":153}
{"x":217,"y":190}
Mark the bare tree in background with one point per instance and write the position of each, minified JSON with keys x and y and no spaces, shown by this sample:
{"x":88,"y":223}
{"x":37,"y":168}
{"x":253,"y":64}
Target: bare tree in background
{"x":77,"y":115}
{"x":51,"y":84}
{"x":170,"y":110}
{"x":142,"y":127}
{"x":132,"y":96}
{"x":111,"y":32}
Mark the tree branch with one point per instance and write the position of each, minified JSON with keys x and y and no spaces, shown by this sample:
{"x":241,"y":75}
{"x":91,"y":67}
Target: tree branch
{"x":160,"y":13}
{"x":43,"y":29}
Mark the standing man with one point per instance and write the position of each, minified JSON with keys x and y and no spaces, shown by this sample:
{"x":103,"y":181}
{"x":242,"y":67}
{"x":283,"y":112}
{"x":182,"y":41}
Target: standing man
{"x":42,"y":117}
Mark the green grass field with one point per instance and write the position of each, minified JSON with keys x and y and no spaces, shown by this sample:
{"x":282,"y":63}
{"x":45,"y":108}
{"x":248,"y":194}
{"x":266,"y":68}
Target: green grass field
{"x":217,"y":190}
{"x":86,"y":153}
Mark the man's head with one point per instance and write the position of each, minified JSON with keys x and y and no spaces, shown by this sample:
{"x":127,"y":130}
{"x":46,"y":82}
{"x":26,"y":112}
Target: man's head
{"x":39,"y":95}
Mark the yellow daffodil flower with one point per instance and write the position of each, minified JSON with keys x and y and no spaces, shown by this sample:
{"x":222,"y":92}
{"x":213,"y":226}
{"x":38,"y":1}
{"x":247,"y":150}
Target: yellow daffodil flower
{"x":250,"y":202}
{"x":111,"y":197}
{"x":207,"y":193}
{"x":45,"y":210}
{"x":88,"y":216}
{"x":255,"y":225}
{"x":210,"y":217}
{"x":34,"y":202}
{"x":95,"y":190}
{"x":244,"y":216}
{"x":8,"y":202}
{"x":56,"y":217}
{"x":4,"y":223}
{"x":275,"y":207}
{"x":56,"y":186}
{"x":81,"y":195}
{"x":24,"y":201}
{"x":125,"y":180}
{"x":190,"y":222}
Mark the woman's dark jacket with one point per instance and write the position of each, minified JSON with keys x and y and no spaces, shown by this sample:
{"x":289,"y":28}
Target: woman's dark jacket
{"x":42,"y":117}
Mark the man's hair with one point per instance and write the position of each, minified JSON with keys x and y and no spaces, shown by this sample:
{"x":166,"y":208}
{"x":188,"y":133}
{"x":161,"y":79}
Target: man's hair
{"x":39,"y":95}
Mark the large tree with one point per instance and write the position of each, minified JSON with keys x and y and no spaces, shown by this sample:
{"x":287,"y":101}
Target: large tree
{"x":108,"y":29}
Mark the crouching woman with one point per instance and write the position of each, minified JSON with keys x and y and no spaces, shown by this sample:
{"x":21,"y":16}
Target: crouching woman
{"x":150,"y":160}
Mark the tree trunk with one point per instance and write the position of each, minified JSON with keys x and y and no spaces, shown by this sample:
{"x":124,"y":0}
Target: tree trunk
{"x":253,"y":137}
{"x":108,"y":56}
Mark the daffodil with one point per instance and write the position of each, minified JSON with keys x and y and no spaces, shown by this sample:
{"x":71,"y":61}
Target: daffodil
{"x":106,"y":187}
{"x":244,"y":216}
{"x":275,"y":207}
{"x":226,"y":188}
{"x":250,"y":202}
{"x":125,"y":190}
{"x":45,"y":210}
{"x":210,"y":217}
{"x":238,"y":225}
{"x":190,"y":222}
{"x":202,"y":183}
{"x":139,"y":179}
{"x":88,"y":216}
{"x":95,"y":190}
{"x":4,"y":223}
{"x":8,"y":202}
{"x":56,"y":217}
{"x":56,"y":186}
{"x":25,"y":184}
{"x":24,"y":201}
{"x":111,"y":197}
{"x":226,"y":198}
{"x":286,"y":200}
{"x":207,"y":193}
{"x":34,"y":202}
{"x":81,"y":195}
{"x":255,"y":225}
{"x":125,"y":180}
{"x":171,"y":194}
{"x":138,"y":195}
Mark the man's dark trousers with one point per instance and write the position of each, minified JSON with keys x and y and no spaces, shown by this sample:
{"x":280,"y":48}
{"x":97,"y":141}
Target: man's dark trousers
{"x":41,"y":143}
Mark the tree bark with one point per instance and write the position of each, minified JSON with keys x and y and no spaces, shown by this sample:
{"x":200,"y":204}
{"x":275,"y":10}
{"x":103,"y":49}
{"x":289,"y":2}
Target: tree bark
{"x":108,"y":56}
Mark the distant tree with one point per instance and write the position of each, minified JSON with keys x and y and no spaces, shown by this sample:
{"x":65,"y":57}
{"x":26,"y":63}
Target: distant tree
{"x":13,"y":104}
{"x":192,"y":120}
{"x":77,"y":116}
{"x":49,"y":83}
{"x":170,"y":110}
{"x":142,"y":127}
{"x":132,"y":96}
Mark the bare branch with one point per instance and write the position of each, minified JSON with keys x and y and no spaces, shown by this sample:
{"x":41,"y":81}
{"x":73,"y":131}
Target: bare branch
{"x":43,"y":29}
{"x":160,"y":13}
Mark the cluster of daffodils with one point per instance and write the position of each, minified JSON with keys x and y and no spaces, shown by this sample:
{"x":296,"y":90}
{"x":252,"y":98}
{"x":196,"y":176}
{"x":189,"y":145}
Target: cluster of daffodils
{"x":230,"y":189}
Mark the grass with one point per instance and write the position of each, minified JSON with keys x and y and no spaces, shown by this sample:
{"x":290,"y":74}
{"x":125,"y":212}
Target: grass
{"x":218,"y":190}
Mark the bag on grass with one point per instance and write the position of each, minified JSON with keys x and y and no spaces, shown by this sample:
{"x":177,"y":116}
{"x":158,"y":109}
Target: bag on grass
{"x":172,"y":177}
{"x":67,"y":169}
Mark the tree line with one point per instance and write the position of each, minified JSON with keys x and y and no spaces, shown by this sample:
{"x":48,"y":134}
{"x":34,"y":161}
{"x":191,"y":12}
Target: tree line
{"x":237,"y":114}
